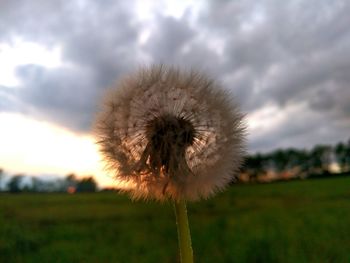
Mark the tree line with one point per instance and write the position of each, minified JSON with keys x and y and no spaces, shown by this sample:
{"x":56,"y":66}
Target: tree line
{"x":280,"y":164}
{"x":321,"y":160}
{"x":71,"y":184}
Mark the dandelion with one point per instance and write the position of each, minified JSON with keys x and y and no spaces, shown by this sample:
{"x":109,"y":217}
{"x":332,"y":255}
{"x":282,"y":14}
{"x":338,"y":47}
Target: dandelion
{"x":171,"y":134}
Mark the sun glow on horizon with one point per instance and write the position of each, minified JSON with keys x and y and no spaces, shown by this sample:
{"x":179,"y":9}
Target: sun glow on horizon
{"x":35,"y":147}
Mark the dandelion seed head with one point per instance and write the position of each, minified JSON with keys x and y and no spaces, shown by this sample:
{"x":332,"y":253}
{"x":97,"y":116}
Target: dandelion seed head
{"x":170,"y":134}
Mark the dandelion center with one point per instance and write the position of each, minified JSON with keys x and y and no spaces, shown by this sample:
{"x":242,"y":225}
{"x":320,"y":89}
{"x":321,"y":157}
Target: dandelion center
{"x":168,"y":137}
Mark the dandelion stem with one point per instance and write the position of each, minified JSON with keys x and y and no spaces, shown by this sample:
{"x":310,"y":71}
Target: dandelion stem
{"x":183,"y":231}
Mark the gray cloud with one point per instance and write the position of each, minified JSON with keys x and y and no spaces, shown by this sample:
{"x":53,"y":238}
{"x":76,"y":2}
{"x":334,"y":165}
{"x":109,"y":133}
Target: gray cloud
{"x":169,"y":38}
{"x":301,"y":128}
{"x":67,"y":96}
{"x":98,"y":44}
{"x":304,"y":42}
{"x":268,"y":53}
{"x":294,"y":53}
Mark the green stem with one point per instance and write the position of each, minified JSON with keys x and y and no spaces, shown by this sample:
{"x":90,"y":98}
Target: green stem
{"x":183,"y":231}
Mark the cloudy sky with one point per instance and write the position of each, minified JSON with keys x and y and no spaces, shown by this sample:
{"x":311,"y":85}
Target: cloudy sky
{"x":287,"y":62}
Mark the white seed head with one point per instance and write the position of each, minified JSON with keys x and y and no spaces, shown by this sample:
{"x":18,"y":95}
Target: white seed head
{"x":170,"y":134}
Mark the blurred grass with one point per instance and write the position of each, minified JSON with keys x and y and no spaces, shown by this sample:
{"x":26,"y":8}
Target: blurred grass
{"x":300,"y":221}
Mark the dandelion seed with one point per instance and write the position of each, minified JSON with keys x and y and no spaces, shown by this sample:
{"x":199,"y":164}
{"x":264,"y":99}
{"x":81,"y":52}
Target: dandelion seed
{"x":171,"y":134}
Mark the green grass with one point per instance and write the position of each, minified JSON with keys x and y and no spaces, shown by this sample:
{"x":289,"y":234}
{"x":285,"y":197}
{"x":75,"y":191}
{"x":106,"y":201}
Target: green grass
{"x":294,"y":222}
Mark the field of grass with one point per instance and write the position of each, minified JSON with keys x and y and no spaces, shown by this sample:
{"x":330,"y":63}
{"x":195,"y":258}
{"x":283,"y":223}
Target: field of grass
{"x":295,"y":222}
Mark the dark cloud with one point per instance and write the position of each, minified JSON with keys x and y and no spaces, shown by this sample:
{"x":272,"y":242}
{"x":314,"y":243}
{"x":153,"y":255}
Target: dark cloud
{"x":300,"y":128}
{"x":64,"y":95}
{"x":179,"y":42}
{"x":98,"y":41}
{"x":290,"y":47}
{"x":287,"y":55}
{"x":168,"y":39}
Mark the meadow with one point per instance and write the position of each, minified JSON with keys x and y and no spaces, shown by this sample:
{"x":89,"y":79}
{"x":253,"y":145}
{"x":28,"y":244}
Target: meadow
{"x":289,"y":222}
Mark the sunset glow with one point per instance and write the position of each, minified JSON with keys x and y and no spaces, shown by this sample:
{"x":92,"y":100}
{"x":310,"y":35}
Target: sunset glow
{"x":33,"y":147}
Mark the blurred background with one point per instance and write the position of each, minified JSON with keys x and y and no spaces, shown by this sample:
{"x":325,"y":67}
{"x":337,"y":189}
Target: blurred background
{"x":287,"y":63}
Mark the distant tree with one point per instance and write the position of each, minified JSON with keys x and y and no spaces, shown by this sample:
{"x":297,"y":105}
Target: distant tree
{"x":279,"y":159}
{"x":70,"y":182}
{"x":38,"y":185}
{"x":1,"y":178}
{"x":41,"y":185}
{"x":342,"y":155}
{"x":303,"y":161}
{"x":26,"y":188}
{"x":71,"y":178}
{"x":14,"y":185}
{"x":87,"y":184}
{"x":348,"y":156}
{"x":254,"y":166}
{"x":320,"y":159}
{"x":340,"y":152}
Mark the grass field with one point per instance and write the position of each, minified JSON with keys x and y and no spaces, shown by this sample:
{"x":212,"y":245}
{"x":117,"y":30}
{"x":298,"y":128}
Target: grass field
{"x":294,"y":222}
